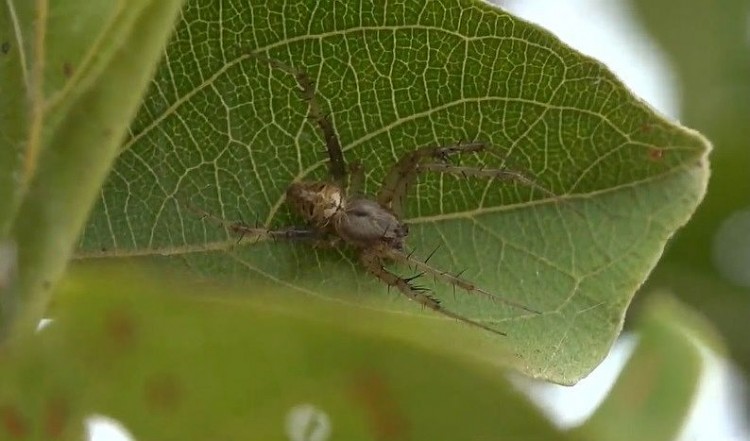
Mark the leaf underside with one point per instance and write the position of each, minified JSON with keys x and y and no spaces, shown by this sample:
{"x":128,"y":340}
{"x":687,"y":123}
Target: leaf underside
{"x":225,"y":132}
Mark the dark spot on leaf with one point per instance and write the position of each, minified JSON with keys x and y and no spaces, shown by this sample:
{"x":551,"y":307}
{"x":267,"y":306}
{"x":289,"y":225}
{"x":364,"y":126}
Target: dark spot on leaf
{"x":119,"y":327}
{"x":162,"y":391}
{"x":13,"y":422}
{"x":642,"y":383}
{"x":67,"y":69}
{"x":5,"y":47}
{"x":55,"y":416}
{"x":46,"y":284}
{"x":655,"y":154}
{"x":386,"y":420}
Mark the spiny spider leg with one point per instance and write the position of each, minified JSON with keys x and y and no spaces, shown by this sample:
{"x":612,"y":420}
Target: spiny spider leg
{"x":246,"y":232}
{"x":373,"y":263}
{"x":333,"y":145}
{"x":451,"y":279}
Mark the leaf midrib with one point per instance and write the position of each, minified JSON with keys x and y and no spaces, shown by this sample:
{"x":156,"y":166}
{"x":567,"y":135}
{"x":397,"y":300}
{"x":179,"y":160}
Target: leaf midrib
{"x":466,"y":214}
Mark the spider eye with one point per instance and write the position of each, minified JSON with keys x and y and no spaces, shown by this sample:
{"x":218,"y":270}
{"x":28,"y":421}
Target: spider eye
{"x":359,"y":213}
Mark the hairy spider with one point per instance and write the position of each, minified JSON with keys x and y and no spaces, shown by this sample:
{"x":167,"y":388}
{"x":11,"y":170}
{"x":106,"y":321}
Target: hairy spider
{"x":337,"y":213}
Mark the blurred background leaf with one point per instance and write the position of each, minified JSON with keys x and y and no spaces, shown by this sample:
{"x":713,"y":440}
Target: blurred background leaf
{"x":175,"y":362}
{"x":656,"y":390}
{"x":77,"y":73}
{"x":707,"y":44}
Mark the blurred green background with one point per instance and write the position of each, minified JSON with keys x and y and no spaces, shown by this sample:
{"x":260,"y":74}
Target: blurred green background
{"x":708,"y":44}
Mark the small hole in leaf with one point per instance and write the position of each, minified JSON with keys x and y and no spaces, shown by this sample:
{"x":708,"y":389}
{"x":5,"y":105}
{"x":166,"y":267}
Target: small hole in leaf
{"x":43,"y":323}
{"x":103,"y":428}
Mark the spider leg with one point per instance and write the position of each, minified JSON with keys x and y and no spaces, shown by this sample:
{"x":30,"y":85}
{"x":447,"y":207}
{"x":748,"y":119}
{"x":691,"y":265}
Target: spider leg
{"x":258,"y":233}
{"x":337,"y":164}
{"x":373,"y":263}
{"x":503,"y":174}
{"x":451,"y":279}
{"x":290,"y":233}
{"x":402,"y":175}
{"x":400,"y":178}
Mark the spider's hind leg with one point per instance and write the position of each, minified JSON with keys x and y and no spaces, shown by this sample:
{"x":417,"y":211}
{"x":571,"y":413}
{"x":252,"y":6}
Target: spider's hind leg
{"x":451,"y":279}
{"x":373,"y":263}
{"x":337,"y":167}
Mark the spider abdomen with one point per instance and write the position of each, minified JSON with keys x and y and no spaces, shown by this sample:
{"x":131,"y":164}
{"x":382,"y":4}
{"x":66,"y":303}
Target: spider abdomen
{"x":364,"y":223}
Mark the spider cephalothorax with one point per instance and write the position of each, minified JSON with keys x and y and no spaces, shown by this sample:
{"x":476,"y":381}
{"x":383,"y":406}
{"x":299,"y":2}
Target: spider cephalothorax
{"x":319,"y":203}
{"x":336,"y":211}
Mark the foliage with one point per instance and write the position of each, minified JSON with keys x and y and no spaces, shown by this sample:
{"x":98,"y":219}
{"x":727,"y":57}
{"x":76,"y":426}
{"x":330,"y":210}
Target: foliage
{"x":227,"y":133}
{"x":220,"y":130}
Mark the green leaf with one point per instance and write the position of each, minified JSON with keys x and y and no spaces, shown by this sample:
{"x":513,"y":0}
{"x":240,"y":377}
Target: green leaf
{"x":653,"y":395}
{"x":13,"y":120}
{"x":223,"y":130}
{"x":85,"y":70}
{"x":179,"y":367}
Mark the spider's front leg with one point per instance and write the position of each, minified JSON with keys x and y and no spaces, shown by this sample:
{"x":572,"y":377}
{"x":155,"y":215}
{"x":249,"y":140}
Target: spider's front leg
{"x":245,"y":232}
{"x":338,"y":167}
{"x":372,"y":259}
{"x":402,"y":176}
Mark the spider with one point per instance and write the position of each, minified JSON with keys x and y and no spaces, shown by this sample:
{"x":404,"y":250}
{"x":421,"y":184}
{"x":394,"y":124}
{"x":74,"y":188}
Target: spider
{"x":336,"y":212}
